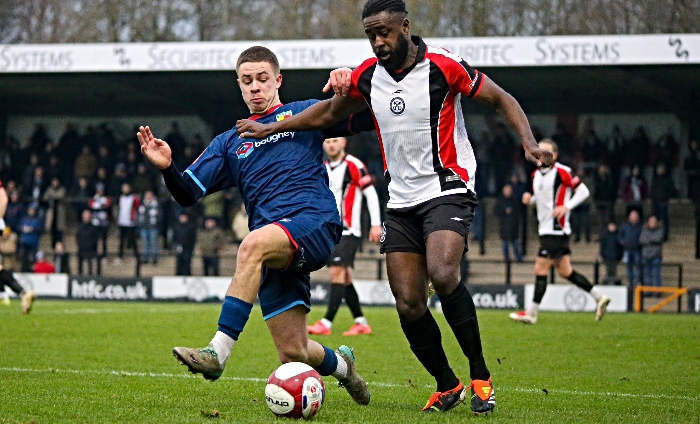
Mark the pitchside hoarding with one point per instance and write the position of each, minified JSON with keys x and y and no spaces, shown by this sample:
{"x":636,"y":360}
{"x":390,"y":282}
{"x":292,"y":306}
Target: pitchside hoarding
{"x":694,"y":301}
{"x":570,"y":298}
{"x":328,"y":54}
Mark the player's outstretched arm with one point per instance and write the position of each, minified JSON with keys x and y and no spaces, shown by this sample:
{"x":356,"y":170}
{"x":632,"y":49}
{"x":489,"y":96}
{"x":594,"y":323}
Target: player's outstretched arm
{"x":317,"y":117}
{"x":510,"y":110}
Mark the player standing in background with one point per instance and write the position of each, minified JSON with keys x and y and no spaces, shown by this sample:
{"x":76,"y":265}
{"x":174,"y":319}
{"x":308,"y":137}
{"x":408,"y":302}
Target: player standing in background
{"x":292,"y":217}
{"x":349,"y":181}
{"x":7,"y":278}
{"x":555,"y":191}
{"x":414,"y":92}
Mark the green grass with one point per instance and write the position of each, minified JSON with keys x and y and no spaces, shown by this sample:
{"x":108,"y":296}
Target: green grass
{"x":110,"y":362}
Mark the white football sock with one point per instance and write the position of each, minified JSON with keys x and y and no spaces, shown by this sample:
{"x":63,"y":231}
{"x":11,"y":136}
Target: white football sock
{"x":341,"y":371}
{"x":596,"y":294}
{"x":361,"y":320}
{"x":222,"y":344}
{"x":534,"y":309}
{"x":326,"y":323}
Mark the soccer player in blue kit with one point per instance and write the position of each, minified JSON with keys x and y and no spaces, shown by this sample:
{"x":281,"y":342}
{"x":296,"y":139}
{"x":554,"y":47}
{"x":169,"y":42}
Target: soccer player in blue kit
{"x":293,"y":220}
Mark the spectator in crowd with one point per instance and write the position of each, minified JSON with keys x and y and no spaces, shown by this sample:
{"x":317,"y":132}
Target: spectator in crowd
{"x":150,"y":214}
{"x":8,"y":249}
{"x":80,"y":195}
{"x":592,"y":149}
{"x":662,"y":189}
{"x":604,"y":195}
{"x":85,"y":164}
{"x":42,"y":266}
{"x":105,"y":160}
{"x":651,"y":239}
{"x":210,"y":242}
{"x":691,"y":165}
{"x":69,"y":145}
{"x":633,"y":191}
{"x":240,"y":225}
{"x":127,"y":219}
{"x":177,"y":143}
{"x":614,"y":155}
{"x":36,"y":186}
{"x":28,"y":170}
{"x":501,"y":155}
{"x":101,"y":207}
{"x":214,"y":207}
{"x":54,"y":198}
{"x":664,"y":151}
{"x":87,"y":236}
{"x":507,"y":209}
{"x":610,"y":253}
{"x":116,"y":181}
{"x":16,"y":210}
{"x":629,"y":240}
{"x":57,"y":169}
{"x":143,"y":180}
{"x":184,"y":239}
{"x":101,"y":177}
{"x":581,"y":214}
{"x":40,"y":138}
{"x":637,"y":149}
{"x":30,"y":235}
{"x":564,"y":141}
{"x":61,"y":258}
{"x":104,"y":136}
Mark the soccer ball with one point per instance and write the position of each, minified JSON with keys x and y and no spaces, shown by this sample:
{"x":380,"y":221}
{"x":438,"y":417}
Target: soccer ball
{"x":295,"y":390}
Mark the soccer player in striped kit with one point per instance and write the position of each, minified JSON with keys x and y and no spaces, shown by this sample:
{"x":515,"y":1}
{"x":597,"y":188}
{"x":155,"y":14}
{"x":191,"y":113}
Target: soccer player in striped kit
{"x":350,"y":183}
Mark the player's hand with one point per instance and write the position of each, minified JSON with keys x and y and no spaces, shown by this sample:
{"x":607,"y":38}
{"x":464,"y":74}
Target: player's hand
{"x":156,"y":150}
{"x":526,"y":198}
{"x":539,"y":157}
{"x":375,"y":233}
{"x":247,"y":128}
{"x":560,"y":211}
{"x":339,"y":80}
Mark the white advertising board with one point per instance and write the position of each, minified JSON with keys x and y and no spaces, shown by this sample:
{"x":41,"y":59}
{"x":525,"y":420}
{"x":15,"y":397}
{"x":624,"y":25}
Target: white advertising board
{"x":55,"y":285}
{"x":570,"y":298}
{"x":328,"y":54}
{"x":197,"y":289}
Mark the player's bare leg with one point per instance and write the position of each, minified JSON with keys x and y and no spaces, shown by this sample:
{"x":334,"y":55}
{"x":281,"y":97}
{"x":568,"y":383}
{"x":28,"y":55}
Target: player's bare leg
{"x":289,"y":334}
{"x":268,"y":246}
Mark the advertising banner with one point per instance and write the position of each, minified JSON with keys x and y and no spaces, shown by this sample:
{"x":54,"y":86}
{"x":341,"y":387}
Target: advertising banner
{"x":43,"y":285}
{"x":106,"y":288}
{"x":694,"y":301}
{"x":197,"y":289}
{"x":570,"y":298}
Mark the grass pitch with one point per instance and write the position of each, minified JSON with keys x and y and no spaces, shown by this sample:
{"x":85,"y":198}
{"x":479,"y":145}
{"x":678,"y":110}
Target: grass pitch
{"x":71,"y":361}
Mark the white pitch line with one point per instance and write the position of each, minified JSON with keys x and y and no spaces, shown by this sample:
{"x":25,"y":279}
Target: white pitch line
{"x":376,"y":384}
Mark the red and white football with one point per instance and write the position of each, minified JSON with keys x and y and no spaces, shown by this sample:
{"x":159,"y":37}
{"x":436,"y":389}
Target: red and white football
{"x":295,"y":390}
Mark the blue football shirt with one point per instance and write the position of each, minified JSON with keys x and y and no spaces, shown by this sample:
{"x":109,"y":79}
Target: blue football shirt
{"x":280,"y":176}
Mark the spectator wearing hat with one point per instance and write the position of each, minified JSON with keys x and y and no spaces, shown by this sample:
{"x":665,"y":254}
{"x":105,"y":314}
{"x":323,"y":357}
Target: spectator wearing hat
{"x":42,"y":266}
{"x":30,"y":234}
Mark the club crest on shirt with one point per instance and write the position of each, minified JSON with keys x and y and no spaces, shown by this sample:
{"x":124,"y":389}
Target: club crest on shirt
{"x":283,"y":115}
{"x":244,"y":150}
{"x":397,"y":105}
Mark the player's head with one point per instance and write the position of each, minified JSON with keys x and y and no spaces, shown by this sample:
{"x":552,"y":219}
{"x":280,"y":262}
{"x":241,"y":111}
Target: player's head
{"x":259,"y":78}
{"x":387,"y":27}
{"x":335,"y":147}
{"x":549,"y":145}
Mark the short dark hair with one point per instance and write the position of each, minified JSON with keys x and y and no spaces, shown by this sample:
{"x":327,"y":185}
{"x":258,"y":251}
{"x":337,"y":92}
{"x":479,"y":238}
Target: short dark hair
{"x":374,"y":7}
{"x":258,"y":54}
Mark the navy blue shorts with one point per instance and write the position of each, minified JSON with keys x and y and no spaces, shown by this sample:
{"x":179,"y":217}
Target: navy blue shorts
{"x":314,"y":240}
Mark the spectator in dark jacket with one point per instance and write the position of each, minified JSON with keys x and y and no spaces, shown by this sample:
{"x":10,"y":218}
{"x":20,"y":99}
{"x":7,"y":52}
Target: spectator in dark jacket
{"x":662,"y":189}
{"x":61,"y":259}
{"x":610,"y":253}
{"x":87,"y":237}
{"x":691,"y":165}
{"x":633,"y":191}
{"x":184,"y":239}
{"x":507,"y":209}
{"x":651,"y":239}
{"x":604,"y":195}
{"x":629,"y":240}
{"x":150,"y":215}
{"x":31,"y":227}
{"x":16,"y":210}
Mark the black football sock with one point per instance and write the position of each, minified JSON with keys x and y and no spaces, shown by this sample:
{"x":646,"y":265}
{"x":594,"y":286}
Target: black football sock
{"x":540,"y":288}
{"x":353,"y":301}
{"x":460,"y":313}
{"x":337,"y":293}
{"x":426,"y":343}
{"x":8,"y":279}
{"x":580,"y":281}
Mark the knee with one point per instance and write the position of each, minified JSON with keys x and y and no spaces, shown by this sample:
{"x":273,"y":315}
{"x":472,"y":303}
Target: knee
{"x":411,"y":309}
{"x":251,"y":249}
{"x":444,"y":278}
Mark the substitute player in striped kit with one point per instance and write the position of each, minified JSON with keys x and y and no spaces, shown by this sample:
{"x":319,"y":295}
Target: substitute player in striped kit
{"x":350,"y":183}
